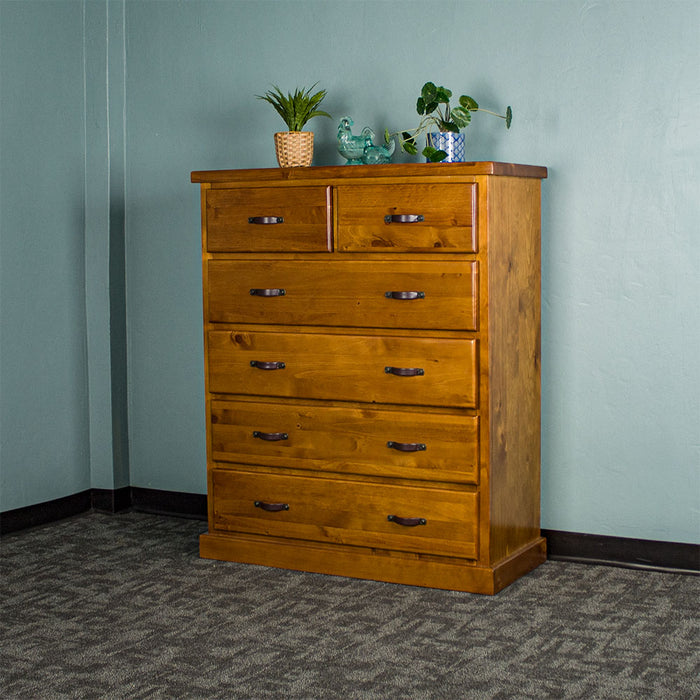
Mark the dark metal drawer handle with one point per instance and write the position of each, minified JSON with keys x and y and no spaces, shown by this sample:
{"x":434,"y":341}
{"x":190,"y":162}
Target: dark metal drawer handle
{"x":267,"y":292}
{"x":270,"y":437}
{"x":267,"y":365}
{"x":271,"y":507}
{"x":406,"y":446}
{"x":403,"y":218}
{"x":265,"y":220}
{"x":406,"y":522}
{"x":404,"y":295}
{"x":405,"y":371}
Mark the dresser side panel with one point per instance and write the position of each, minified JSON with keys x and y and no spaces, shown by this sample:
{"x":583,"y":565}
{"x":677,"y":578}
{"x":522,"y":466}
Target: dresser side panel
{"x":514,"y":363}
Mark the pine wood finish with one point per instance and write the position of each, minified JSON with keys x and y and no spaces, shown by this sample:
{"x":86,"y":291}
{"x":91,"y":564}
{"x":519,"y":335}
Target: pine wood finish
{"x":447,"y":210}
{"x":347,"y":293}
{"x":339,"y":439}
{"x":372,"y":344}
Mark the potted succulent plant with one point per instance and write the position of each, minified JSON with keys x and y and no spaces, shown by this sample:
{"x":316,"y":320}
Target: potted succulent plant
{"x":442,"y":124}
{"x":295,"y":147}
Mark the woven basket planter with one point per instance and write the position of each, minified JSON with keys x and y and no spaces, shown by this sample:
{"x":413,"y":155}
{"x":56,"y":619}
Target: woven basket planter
{"x":294,"y":148}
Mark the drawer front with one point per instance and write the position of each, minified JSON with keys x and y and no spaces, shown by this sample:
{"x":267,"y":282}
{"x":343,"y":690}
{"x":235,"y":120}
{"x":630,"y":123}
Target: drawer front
{"x":398,"y":218}
{"x":362,"y":441}
{"x":383,"y":294}
{"x":347,"y":512}
{"x":268,"y":219}
{"x":430,"y":371}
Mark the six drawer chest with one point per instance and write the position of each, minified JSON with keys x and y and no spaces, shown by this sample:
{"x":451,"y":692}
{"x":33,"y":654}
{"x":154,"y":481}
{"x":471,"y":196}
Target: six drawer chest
{"x":372,"y":370}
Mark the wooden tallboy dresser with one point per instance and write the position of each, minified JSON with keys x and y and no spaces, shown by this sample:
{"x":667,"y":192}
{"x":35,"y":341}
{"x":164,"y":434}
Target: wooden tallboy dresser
{"x":372,"y":350}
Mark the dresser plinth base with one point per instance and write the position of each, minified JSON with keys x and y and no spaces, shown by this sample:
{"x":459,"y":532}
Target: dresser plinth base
{"x":378,"y":565}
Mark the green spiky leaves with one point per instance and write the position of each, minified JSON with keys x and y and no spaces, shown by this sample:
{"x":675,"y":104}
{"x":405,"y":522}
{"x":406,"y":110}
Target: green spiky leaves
{"x":298,"y":108}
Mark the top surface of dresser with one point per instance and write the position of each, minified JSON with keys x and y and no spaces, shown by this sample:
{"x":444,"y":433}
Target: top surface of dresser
{"x":390,"y":171}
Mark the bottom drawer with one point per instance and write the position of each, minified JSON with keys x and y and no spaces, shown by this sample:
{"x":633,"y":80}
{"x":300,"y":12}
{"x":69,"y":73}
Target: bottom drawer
{"x":406,"y":518}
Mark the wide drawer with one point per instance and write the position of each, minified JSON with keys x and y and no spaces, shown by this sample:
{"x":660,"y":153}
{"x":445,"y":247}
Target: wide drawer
{"x":377,"y":442}
{"x":268,"y":219}
{"x":426,"y":520}
{"x":435,"y":218}
{"x":384,"y":294}
{"x":432,"y":371}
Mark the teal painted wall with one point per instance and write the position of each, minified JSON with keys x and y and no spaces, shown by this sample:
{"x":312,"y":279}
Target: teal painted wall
{"x":105,"y":255}
{"x":44,"y":439}
{"x":604,"y":94}
{"x":63,"y":418}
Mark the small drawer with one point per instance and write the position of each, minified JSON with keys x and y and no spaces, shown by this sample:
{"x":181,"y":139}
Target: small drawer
{"x":423,"y":446}
{"x":412,"y":519}
{"x":382,"y":294}
{"x":268,"y":219}
{"x":436,"y":218}
{"x":427,"y":371}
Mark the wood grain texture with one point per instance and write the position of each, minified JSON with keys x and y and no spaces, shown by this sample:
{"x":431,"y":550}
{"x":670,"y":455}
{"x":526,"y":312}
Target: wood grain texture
{"x":409,"y":568}
{"x":347,"y":512}
{"x":473,"y":332}
{"x":345,"y":293}
{"x":304,"y":219}
{"x":344,"y":367}
{"x":445,"y":211}
{"x":390,"y":172}
{"x":514,"y":363}
{"x":348,"y":440}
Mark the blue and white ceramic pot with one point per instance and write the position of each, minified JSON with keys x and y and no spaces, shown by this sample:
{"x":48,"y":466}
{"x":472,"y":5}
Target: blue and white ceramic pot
{"x":451,"y":143}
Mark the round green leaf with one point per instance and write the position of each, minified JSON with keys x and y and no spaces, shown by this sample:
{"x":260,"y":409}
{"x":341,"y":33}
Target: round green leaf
{"x":428,"y":92}
{"x":443,"y":95}
{"x":461,"y":116}
{"x":468,"y":102}
{"x":433,"y":154}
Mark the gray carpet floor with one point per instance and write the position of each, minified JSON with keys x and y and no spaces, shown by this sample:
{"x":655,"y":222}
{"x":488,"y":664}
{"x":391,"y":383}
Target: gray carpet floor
{"x":121,"y":606}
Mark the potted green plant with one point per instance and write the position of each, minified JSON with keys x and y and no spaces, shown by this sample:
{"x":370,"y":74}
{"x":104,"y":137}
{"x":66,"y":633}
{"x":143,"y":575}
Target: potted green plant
{"x":295,"y":147}
{"x":442,"y":124}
